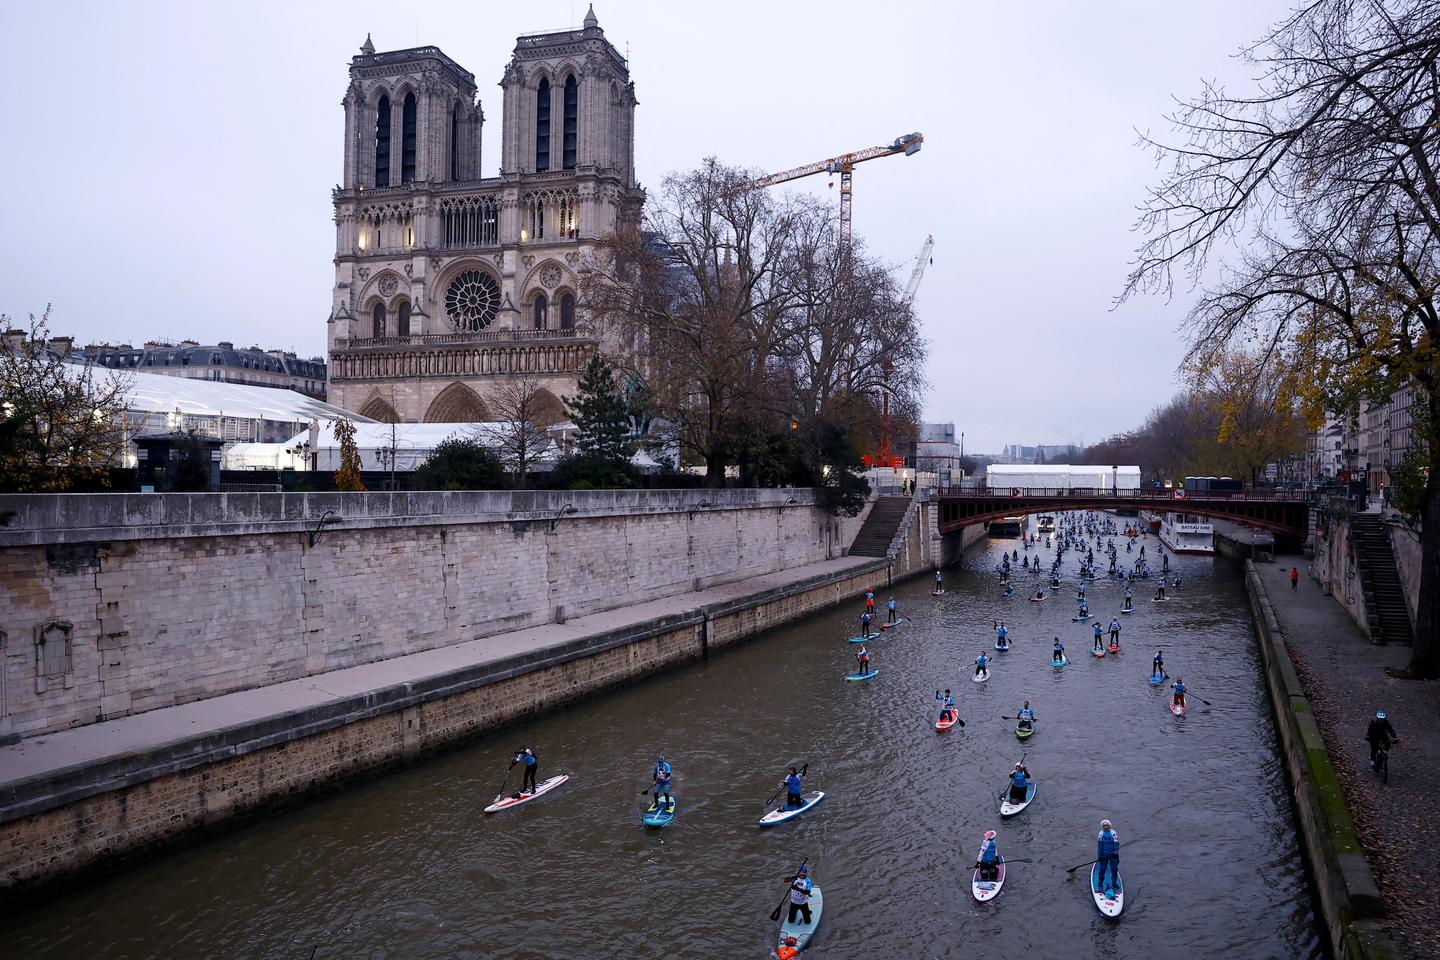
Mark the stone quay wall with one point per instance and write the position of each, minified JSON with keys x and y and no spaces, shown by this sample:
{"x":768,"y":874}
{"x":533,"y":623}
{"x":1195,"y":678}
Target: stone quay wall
{"x":116,"y":808}
{"x":1351,"y":908}
{"x":118,"y":604}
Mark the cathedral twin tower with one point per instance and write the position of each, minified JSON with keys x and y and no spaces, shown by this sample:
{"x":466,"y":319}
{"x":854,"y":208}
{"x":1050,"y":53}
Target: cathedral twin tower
{"x":448,"y":283}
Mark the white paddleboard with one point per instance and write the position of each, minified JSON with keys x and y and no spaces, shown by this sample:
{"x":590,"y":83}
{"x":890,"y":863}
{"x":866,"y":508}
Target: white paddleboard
{"x":1110,"y":901}
{"x":981,"y":678}
{"x":796,"y":936}
{"x":515,"y":799}
{"x":985,"y":890}
{"x":1008,"y":807}
{"x":781,"y":814}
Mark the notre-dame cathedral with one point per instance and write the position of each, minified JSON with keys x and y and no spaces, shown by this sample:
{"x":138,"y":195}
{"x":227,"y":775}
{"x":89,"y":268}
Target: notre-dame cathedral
{"x":449,"y":283}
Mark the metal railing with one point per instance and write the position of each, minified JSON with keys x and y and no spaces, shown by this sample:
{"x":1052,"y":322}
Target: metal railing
{"x":1106,"y":493}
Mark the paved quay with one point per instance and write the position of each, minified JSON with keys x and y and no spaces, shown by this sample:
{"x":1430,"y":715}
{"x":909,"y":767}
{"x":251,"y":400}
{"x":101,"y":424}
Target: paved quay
{"x":1346,"y":679}
{"x":37,"y":773}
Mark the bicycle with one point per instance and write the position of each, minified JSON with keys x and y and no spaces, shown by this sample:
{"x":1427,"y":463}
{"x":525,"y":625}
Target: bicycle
{"x":1380,"y":759}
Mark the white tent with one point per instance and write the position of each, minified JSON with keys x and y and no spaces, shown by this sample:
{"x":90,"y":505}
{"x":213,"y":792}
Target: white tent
{"x":1062,"y":476}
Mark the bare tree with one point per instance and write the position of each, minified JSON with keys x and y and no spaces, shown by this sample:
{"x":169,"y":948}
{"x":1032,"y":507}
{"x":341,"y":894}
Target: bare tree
{"x":60,"y":423}
{"x":523,"y":408}
{"x":695,"y":296}
{"x":1309,"y":214}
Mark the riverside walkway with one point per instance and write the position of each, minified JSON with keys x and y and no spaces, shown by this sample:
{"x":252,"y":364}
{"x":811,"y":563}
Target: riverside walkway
{"x":1346,"y":679}
{"x":51,"y":770}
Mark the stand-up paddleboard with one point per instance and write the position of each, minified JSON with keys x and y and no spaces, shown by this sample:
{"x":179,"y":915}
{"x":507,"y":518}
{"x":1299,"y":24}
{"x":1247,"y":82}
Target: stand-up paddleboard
{"x":986,"y":890}
{"x":1036,"y":599}
{"x":1127,"y":609}
{"x":1111,"y":900}
{"x":1113,"y":648}
{"x":1002,"y":647}
{"x":1057,"y":664}
{"x":1009,"y":807}
{"x":1177,"y":708}
{"x":1097,"y":653}
{"x":515,"y":799}
{"x":1159,"y":599}
{"x":873,"y":636}
{"x":781,"y":814}
{"x":937,"y":593}
{"x":981,"y":677}
{"x":867,"y":675}
{"x":1025,"y":733}
{"x":795,"y":937}
{"x":1078,"y":619}
{"x":887,"y":626}
{"x":943,"y":723}
{"x":659,"y":815}
{"x":1158,"y":678}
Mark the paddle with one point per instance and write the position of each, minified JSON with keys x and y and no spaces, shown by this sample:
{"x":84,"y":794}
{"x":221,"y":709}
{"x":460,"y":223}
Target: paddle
{"x":777,"y":793}
{"x":775,"y":914}
{"x":1201,"y":699}
{"x":1032,"y":719}
{"x":1097,"y":860}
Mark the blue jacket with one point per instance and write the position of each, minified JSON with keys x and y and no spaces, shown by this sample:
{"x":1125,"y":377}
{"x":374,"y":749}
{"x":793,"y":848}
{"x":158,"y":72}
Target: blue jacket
{"x":792,"y":783}
{"x":529,"y":759}
{"x":1025,"y":713}
{"x":981,"y":660}
{"x":891,"y":604}
{"x":1107,"y":845}
{"x":1098,"y":631}
{"x":1019,"y":779}
{"x":1114,"y":623}
{"x":990,"y":853}
{"x":947,"y":701}
{"x":1179,"y":688}
{"x":1000,"y":632}
{"x":662,"y":773}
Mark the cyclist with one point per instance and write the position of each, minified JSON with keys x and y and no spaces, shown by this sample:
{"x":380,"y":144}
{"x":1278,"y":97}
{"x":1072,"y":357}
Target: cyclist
{"x":1380,"y":735}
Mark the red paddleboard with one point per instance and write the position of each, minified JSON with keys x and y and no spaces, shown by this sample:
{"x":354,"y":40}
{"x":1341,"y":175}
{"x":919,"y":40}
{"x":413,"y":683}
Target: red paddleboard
{"x":1177,"y":708}
{"x":943,"y":724}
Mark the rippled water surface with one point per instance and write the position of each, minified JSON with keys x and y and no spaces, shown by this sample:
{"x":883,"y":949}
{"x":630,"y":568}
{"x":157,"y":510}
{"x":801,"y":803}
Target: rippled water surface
{"x":409,"y":867}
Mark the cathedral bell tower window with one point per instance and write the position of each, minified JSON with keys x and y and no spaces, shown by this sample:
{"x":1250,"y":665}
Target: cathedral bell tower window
{"x":542,"y":306}
{"x":382,"y":143}
{"x":407,"y":139}
{"x":572,"y":121}
{"x":455,"y":143}
{"x":378,"y":320}
{"x":567,"y":312}
{"x":542,"y":127}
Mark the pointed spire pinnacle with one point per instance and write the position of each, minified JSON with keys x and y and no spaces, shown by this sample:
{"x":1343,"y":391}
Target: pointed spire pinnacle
{"x":590,"y":20}
{"x":367,"y":47}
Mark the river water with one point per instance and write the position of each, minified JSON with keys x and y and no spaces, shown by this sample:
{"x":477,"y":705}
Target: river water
{"x":408,"y":866}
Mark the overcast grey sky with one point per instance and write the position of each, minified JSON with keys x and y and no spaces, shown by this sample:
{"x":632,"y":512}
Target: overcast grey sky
{"x":167,"y":166}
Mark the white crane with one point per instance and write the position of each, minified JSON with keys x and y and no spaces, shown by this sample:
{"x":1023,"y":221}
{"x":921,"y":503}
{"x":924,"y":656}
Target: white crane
{"x":921,"y":262}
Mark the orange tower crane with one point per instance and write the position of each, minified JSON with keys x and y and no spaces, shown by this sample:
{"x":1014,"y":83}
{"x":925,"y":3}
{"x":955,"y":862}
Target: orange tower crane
{"x":844,"y":165}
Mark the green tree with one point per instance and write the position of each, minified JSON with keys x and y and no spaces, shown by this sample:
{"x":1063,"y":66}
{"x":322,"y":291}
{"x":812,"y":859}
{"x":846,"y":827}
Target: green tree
{"x":347,"y":478}
{"x":599,"y":413}
{"x":460,"y":463}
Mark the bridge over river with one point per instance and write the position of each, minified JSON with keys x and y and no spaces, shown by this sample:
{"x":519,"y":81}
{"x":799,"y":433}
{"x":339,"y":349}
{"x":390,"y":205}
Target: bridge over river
{"x":1285,"y":513}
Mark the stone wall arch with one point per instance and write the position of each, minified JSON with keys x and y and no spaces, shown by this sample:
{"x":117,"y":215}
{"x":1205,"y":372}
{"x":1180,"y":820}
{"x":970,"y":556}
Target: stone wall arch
{"x":457,"y":403}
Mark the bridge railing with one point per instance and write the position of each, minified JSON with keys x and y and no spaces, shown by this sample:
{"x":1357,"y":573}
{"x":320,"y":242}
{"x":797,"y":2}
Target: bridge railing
{"x":1105,"y":493}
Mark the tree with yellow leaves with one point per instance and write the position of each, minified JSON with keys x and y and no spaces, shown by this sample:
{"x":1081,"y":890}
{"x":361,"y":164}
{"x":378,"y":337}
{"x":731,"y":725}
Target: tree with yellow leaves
{"x":1309,"y":213}
{"x":347,"y":478}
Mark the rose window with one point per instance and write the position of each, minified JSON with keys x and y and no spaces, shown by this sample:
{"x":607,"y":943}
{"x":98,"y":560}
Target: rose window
{"x":472,"y":300}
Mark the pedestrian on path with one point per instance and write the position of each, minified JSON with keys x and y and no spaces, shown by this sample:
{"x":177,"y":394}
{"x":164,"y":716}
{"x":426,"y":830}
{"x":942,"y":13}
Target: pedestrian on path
{"x":1294,"y":578}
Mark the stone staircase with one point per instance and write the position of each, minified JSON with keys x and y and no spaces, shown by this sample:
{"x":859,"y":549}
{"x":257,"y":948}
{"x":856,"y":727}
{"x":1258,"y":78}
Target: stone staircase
{"x":878,"y":531}
{"x":1385,"y":605}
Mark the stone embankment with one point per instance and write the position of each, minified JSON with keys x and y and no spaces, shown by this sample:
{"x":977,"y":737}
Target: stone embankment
{"x":225,"y":657}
